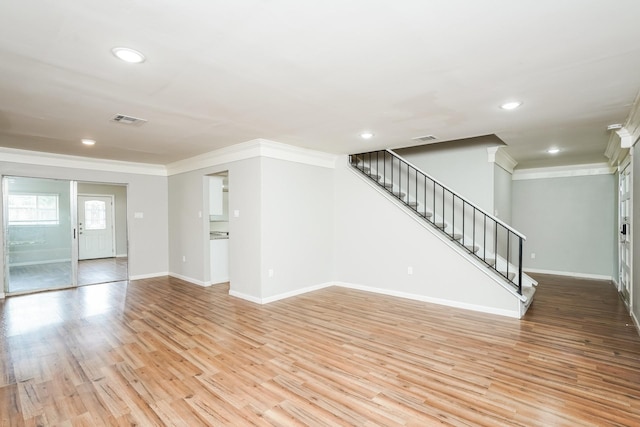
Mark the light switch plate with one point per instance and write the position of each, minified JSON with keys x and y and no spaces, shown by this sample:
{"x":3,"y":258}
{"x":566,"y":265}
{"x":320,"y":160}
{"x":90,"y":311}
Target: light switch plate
{"x":138,"y":215}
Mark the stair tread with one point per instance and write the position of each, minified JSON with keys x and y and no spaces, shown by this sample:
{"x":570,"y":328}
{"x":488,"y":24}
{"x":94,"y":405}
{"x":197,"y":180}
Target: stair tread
{"x":511,"y":274}
{"x":473,"y":248}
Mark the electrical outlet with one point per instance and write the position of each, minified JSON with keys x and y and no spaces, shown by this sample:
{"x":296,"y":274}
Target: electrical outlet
{"x":533,"y":255}
{"x":409,"y":271}
{"x":184,"y":258}
{"x":270,"y":272}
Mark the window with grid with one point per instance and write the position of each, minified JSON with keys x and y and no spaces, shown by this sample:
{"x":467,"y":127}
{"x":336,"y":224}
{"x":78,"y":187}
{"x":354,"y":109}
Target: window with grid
{"x":33,"y":209}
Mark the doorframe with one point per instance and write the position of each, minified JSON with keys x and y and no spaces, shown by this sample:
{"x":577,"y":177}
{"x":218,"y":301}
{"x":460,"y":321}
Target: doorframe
{"x":626,"y":163}
{"x":73,"y":196}
{"x":113,"y":220}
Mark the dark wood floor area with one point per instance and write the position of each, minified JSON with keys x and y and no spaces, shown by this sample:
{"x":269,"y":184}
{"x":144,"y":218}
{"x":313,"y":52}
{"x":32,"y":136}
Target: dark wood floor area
{"x":163,"y":352}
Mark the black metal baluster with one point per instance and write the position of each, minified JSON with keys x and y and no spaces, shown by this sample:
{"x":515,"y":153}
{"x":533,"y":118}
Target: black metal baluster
{"x":433,"y":219}
{"x":508,"y":254}
{"x":463,"y":220}
{"x":495,"y":244}
{"x":473,"y":239}
{"x":520,"y":265}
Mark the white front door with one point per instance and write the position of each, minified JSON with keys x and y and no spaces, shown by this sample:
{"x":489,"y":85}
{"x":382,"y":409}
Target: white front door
{"x":625,"y":232}
{"x":95,"y":227}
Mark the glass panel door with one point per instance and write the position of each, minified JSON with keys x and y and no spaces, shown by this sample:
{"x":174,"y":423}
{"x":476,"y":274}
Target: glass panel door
{"x":39,"y":234}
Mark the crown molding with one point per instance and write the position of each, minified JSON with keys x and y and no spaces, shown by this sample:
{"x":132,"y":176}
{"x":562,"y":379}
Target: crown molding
{"x":250,"y":149}
{"x":564,"y":171}
{"x":632,"y":124}
{"x":15,"y":155}
{"x":626,"y":138}
{"x":501,"y":158}
{"x":614,"y":151}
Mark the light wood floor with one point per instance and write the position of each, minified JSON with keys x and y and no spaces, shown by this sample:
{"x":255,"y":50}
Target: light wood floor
{"x":162,"y":352}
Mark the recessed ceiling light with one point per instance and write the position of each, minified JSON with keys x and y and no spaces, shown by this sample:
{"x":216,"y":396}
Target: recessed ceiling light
{"x":511,"y":105}
{"x":553,"y":150}
{"x":128,"y":55}
{"x":366,"y":135}
{"x":88,"y":142}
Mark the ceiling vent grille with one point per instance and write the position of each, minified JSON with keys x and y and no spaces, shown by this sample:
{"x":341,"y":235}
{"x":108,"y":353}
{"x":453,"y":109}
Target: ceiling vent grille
{"x":425,"y":138}
{"x":128,"y":120}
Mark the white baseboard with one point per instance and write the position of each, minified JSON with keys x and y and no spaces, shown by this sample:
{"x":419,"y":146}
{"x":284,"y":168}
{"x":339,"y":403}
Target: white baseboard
{"x":635,"y":322}
{"x":148,"y":276}
{"x":246,"y":297}
{"x":190,"y":280}
{"x":423,"y":298}
{"x":278,"y":297}
{"x":569,"y":274}
{"x":121,"y":255}
{"x":1,"y":295}
{"x":296,"y":292}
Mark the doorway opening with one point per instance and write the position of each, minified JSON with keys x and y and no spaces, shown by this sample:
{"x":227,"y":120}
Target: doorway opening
{"x":41,"y":242}
{"x":625,"y":259}
{"x":102,"y":233}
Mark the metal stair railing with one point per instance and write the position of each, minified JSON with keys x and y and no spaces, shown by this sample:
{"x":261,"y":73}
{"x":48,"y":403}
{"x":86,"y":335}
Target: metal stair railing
{"x":475,"y":230}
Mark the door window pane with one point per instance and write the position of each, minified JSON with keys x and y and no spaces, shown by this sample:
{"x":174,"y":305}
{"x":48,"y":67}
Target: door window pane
{"x":95,"y":215}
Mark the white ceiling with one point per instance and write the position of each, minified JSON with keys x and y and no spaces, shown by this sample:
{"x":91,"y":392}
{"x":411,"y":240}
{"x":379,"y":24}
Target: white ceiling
{"x":315,"y":74}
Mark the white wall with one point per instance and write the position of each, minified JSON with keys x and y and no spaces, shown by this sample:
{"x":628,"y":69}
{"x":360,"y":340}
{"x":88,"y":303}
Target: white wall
{"x":568,"y":223}
{"x":297,"y":226}
{"x":502,"y":203}
{"x":462,"y":166}
{"x":376,"y":242}
{"x":284,"y":224}
{"x":148,"y":237}
{"x":189,"y":225}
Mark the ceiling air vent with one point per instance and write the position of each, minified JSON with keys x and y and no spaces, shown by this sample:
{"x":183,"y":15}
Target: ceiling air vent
{"x":128,"y":120}
{"x":425,"y":138}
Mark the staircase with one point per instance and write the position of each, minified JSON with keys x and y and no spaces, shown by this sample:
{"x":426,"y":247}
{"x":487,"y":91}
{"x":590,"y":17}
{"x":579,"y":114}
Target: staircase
{"x":490,"y":243}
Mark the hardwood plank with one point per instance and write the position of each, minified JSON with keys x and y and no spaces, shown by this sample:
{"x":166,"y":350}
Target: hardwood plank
{"x":163,"y":352}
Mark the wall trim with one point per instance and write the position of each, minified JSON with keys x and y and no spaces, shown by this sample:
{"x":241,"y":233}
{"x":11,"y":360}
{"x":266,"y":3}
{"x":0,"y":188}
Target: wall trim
{"x":296,"y":292}
{"x":190,"y":279}
{"x":148,"y":276}
{"x":635,"y":321}
{"x":569,"y":274}
{"x":501,"y":158}
{"x":416,"y":297}
{"x":250,"y":149}
{"x":614,"y":151}
{"x":15,"y":155}
{"x":439,"y":301}
{"x":242,"y":151}
{"x":245,"y":297}
{"x":564,"y":171}
{"x":1,"y":295}
{"x":281,"y":296}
